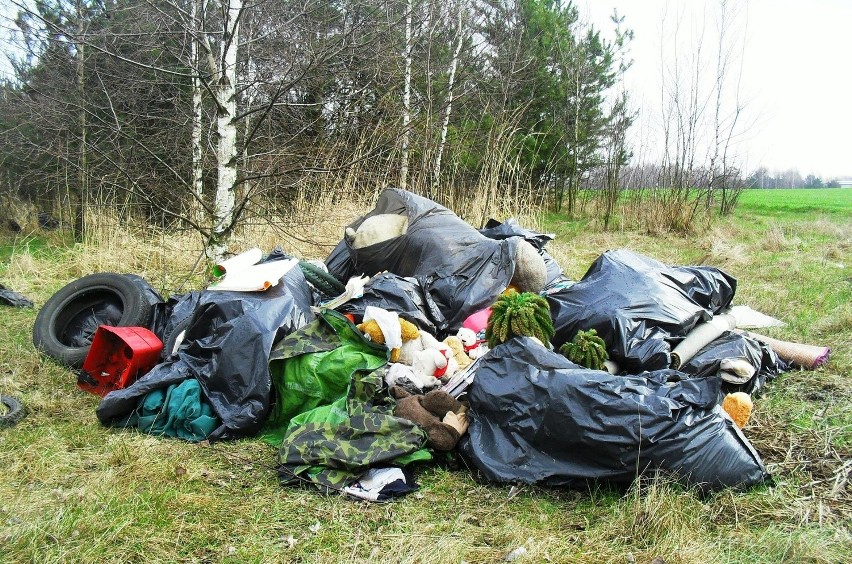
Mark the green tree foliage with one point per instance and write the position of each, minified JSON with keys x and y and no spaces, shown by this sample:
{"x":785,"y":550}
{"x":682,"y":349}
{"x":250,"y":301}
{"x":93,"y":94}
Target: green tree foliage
{"x":100,"y":106}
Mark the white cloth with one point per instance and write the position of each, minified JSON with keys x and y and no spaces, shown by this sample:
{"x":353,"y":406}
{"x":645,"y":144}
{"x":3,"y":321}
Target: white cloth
{"x":389,"y":324}
{"x":373,"y":482}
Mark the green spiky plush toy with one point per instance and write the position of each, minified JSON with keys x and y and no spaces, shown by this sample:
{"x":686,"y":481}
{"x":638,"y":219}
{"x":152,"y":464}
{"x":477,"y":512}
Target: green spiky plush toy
{"x":586,"y":349}
{"x":515,"y":315}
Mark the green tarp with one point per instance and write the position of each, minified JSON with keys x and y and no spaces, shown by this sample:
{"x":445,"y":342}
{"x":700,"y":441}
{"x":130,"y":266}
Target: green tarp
{"x":332,"y":418}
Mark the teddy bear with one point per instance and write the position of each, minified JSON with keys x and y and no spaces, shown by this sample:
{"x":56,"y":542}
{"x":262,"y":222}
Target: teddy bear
{"x":457,"y":346}
{"x":443,"y":417}
{"x":377,"y":229}
{"x":402,"y":375}
{"x":422,"y":342}
{"x":372,"y":330}
{"x":471,"y":344}
{"x":437,"y":363}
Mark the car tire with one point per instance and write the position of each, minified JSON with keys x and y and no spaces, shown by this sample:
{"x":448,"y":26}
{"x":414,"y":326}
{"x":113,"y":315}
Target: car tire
{"x":175,"y":337}
{"x":11,"y":412}
{"x":65,"y":325}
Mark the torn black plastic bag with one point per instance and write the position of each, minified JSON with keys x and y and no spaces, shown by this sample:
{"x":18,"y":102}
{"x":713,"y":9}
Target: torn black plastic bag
{"x":402,"y":295}
{"x":511,"y":228}
{"x":226,"y":348}
{"x":707,"y":363}
{"x":535,"y":417}
{"x":459,"y":269}
{"x":639,"y":306}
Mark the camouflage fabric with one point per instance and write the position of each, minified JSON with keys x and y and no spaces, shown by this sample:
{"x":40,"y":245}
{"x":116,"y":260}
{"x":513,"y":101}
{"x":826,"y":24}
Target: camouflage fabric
{"x":332,"y":445}
{"x":324,"y":334}
{"x":313,"y":367}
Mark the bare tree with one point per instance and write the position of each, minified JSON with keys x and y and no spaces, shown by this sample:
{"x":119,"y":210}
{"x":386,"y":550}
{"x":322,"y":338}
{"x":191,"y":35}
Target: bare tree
{"x":448,"y":108}
{"x":406,"y":98}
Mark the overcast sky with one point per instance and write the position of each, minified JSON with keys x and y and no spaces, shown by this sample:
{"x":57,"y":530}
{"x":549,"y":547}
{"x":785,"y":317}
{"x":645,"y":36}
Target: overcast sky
{"x":797,"y":74}
{"x":796,"y":79}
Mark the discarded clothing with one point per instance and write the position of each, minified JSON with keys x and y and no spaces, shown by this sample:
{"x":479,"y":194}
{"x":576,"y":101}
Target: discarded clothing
{"x":178,"y":411}
{"x":382,"y":484}
{"x":330,"y":446}
{"x":314,"y":366}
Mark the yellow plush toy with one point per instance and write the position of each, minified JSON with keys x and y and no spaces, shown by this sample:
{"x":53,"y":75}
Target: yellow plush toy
{"x":459,"y":354}
{"x":374,"y":332}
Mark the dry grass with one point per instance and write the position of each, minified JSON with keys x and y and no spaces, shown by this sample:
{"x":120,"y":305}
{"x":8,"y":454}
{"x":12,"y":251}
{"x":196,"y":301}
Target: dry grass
{"x":71,"y":490}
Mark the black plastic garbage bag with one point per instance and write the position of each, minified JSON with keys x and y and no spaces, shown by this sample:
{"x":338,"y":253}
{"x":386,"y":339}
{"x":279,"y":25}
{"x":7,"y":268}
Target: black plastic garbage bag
{"x":226,"y":348}
{"x":731,"y":345}
{"x":459,"y":269}
{"x":538,"y":418}
{"x":402,"y":295}
{"x":12,"y":298}
{"x":639,"y":306}
{"x":511,"y":228}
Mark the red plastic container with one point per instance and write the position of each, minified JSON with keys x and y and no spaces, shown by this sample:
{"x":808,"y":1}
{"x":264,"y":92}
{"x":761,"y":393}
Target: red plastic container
{"x":118,"y":356}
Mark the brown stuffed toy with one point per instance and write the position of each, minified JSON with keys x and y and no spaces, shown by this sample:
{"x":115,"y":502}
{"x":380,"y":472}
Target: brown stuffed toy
{"x":443,"y":417}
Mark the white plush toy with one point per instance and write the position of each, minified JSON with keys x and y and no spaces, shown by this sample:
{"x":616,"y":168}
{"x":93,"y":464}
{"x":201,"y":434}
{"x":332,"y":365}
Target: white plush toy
{"x":422,"y":342}
{"x":376,"y":229}
{"x":472,"y":346}
{"x":435,"y":363}
{"x":397,"y":371}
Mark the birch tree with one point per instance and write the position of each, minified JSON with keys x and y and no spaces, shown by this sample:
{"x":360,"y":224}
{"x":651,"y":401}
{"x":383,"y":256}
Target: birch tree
{"x":448,"y":109}
{"x":406,"y":98}
{"x":197,"y":203}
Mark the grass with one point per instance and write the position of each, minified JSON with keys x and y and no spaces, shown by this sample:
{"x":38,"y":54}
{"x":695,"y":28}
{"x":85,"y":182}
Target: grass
{"x":71,"y":490}
{"x":790,"y":202}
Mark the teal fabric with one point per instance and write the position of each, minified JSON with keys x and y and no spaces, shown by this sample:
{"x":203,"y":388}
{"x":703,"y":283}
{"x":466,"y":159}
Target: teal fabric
{"x":178,"y":411}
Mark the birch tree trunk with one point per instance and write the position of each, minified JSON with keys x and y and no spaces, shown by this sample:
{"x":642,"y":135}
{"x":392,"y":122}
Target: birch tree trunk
{"x":197,"y":167}
{"x":83,"y":165}
{"x":406,"y":100}
{"x":226,"y":131}
{"x":436,"y":177}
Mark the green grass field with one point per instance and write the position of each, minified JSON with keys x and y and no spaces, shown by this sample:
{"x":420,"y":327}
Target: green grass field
{"x":835,"y":201}
{"x":71,"y":490}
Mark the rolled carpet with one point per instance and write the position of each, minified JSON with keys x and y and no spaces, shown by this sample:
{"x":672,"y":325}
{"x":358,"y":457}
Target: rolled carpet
{"x":702,"y":335}
{"x":806,"y":356}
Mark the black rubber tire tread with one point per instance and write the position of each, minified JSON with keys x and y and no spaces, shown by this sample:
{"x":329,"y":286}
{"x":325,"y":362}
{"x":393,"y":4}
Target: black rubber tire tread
{"x":13,"y":411}
{"x":169,"y":340}
{"x":324,"y":282}
{"x":73,"y":300}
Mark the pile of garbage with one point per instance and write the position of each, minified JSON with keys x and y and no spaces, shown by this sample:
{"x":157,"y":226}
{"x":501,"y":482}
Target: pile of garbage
{"x":421,"y":335}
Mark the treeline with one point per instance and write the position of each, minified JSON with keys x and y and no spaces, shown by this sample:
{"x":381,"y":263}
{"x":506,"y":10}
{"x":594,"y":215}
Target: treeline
{"x":790,"y":178}
{"x":197,"y":113}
